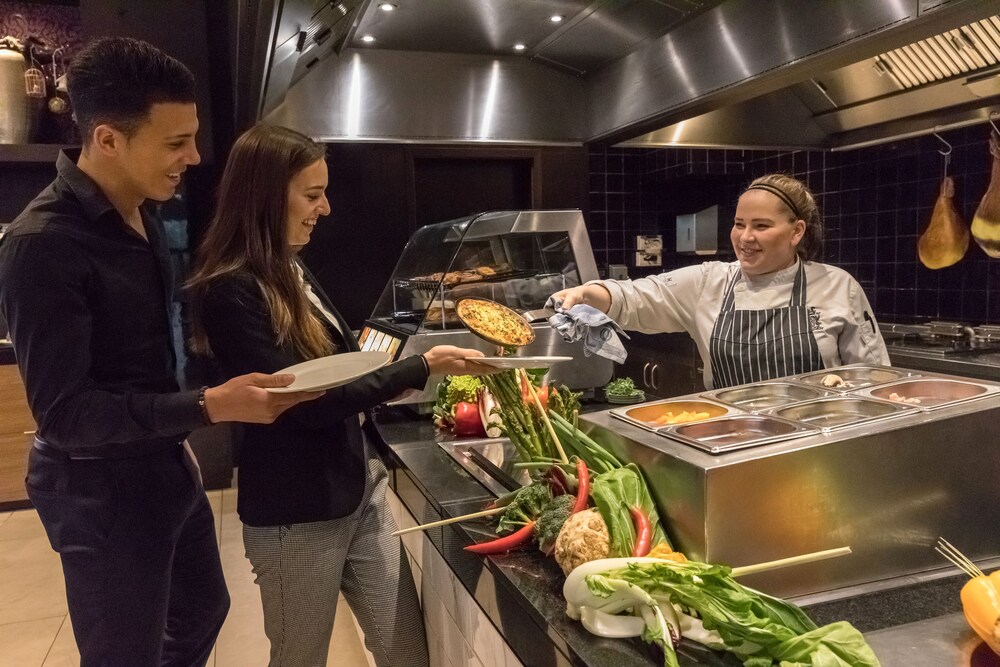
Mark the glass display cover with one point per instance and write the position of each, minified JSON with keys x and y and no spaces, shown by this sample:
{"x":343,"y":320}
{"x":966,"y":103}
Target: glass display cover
{"x":474,"y":256}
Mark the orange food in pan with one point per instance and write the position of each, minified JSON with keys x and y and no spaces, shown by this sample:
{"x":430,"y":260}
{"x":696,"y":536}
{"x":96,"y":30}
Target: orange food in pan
{"x":681,"y":418}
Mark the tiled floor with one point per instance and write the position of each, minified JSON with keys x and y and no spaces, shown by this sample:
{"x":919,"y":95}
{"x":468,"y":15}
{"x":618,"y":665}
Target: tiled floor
{"x":35,"y":629}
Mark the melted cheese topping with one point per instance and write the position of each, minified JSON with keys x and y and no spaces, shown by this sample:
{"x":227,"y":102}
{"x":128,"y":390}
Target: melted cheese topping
{"x":495,"y":322}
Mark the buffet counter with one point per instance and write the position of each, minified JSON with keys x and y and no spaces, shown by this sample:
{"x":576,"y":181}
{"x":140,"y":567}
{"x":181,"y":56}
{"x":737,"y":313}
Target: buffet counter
{"x":983,"y":365}
{"x":509,"y":610}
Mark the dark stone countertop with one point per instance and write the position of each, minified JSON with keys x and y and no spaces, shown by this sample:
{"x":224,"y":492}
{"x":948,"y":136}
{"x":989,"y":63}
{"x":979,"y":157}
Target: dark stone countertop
{"x":521,"y":592}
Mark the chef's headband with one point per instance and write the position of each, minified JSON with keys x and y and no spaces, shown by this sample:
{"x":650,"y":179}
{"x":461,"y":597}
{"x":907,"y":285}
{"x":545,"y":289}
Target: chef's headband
{"x":779,"y":194}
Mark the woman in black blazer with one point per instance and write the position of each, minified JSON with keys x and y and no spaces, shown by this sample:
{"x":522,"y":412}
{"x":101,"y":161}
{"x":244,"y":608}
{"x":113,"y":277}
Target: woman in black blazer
{"x":311,"y":486}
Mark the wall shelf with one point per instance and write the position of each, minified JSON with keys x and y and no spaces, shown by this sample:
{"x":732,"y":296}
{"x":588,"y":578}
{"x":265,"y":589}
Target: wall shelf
{"x":30,"y":152}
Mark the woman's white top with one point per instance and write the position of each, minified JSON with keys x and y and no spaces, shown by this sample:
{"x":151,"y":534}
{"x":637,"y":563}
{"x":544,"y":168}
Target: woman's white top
{"x":317,"y":302}
{"x":690,"y":299}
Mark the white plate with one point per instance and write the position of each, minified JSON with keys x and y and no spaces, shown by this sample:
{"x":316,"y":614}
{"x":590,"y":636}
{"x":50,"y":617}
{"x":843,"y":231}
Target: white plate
{"x":518,"y":362}
{"x":331,"y":371}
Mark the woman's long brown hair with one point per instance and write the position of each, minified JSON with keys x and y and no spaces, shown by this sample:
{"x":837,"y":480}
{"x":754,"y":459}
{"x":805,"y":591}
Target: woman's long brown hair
{"x":249,"y":234}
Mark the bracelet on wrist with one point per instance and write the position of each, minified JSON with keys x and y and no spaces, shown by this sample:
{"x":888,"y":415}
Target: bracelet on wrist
{"x":205,"y":418}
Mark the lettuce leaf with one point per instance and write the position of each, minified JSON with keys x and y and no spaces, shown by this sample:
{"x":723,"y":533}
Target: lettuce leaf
{"x":754,"y":626}
{"x":615,"y":493}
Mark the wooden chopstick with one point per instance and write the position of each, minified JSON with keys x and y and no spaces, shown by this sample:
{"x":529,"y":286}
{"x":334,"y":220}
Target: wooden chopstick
{"x":454,"y":519}
{"x":794,"y":560}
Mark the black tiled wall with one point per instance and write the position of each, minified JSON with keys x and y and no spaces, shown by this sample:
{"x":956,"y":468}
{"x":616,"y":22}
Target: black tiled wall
{"x":875,"y":203}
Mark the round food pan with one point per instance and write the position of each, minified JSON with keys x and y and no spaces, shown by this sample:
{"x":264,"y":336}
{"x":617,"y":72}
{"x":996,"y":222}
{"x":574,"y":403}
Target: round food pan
{"x":489,"y":336}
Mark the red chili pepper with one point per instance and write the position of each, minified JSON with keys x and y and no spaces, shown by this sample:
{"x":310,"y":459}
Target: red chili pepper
{"x":504,"y":544}
{"x":643,"y":532}
{"x":582,"y":486}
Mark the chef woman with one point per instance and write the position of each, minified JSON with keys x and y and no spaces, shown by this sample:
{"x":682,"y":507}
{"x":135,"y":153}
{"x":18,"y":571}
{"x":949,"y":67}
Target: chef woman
{"x":773,"y":312}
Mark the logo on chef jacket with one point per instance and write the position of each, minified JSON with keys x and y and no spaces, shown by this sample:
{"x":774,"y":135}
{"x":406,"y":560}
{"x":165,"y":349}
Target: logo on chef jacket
{"x":814,"y":324}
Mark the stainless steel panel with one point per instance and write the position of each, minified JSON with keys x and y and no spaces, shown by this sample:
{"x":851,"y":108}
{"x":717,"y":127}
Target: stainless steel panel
{"x":887,"y":490}
{"x":841,"y":411}
{"x":747,"y":124}
{"x":931,"y":393}
{"x":766,"y":395}
{"x":647,"y":415}
{"x":923,"y":74}
{"x":591,"y":34}
{"x":372,"y":95}
{"x":855,"y":377}
{"x":736,"y":432}
{"x":500,"y":452}
{"x":482,"y":26}
{"x":756,"y":48}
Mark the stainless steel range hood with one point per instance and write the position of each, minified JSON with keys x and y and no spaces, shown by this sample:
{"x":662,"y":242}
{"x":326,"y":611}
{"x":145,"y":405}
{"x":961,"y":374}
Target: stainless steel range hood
{"x":949,"y":79}
{"x":752,"y":73}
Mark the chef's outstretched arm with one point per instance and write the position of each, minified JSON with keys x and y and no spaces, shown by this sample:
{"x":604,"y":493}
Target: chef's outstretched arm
{"x":591,"y":294}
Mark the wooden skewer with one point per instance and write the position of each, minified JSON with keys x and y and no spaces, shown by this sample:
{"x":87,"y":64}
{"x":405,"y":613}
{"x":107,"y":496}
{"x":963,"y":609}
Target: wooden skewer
{"x":957,"y":558}
{"x":794,"y":560}
{"x":454,"y":519}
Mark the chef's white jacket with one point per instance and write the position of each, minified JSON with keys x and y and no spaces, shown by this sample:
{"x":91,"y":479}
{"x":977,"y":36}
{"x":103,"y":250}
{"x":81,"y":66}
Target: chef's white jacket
{"x":690,"y":299}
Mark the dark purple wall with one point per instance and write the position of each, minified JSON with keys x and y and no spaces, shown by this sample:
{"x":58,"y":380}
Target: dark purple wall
{"x":875,"y":203}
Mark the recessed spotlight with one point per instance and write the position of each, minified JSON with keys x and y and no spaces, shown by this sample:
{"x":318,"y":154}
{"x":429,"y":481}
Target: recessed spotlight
{"x":519,"y":47}
{"x":387,"y":6}
{"x":368,"y":39}
{"x":556,"y":18}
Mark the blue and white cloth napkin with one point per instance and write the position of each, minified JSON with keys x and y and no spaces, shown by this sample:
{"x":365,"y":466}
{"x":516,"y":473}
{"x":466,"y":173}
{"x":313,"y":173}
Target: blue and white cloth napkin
{"x":598,"y":331}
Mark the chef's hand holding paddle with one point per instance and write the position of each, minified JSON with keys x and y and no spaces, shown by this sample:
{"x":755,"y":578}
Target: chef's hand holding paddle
{"x":451,"y":360}
{"x":593,"y":295}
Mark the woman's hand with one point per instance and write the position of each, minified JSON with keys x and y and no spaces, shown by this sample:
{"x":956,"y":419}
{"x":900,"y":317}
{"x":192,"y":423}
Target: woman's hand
{"x":595,"y":295}
{"x":451,"y":360}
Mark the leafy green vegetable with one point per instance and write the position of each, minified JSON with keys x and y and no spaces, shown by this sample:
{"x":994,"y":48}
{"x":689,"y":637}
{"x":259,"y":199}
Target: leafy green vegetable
{"x":452,"y":390}
{"x":551,"y":521}
{"x":462,"y":388}
{"x":621,"y":387}
{"x":615,"y":493}
{"x":757,"y":628}
{"x":835,"y":645}
{"x":564,"y":402}
{"x":526,"y":506}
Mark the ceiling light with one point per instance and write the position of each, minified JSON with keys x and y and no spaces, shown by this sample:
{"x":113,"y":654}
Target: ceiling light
{"x":556,"y":18}
{"x":368,"y":39}
{"x":519,"y":47}
{"x":387,"y":6}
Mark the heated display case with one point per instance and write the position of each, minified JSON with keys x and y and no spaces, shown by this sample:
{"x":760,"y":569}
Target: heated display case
{"x":517,"y":258}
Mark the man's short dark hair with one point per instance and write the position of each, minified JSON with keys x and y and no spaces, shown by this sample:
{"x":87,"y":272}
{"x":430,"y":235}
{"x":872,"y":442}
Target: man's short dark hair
{"x":116,"y":80}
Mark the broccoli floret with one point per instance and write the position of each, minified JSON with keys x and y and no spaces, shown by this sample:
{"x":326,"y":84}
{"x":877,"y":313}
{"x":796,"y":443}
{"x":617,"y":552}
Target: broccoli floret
{"x":526,"y":506}
{"x":462,"y":388}
{"x":551,"y":521}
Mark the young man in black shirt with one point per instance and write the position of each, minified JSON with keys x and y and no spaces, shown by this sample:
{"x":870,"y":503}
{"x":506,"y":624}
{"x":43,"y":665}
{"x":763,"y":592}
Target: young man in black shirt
{"x":85,"y":286}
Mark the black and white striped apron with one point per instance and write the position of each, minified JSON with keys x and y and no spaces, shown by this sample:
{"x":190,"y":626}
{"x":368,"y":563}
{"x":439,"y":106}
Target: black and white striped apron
{"x":753,"y":345}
